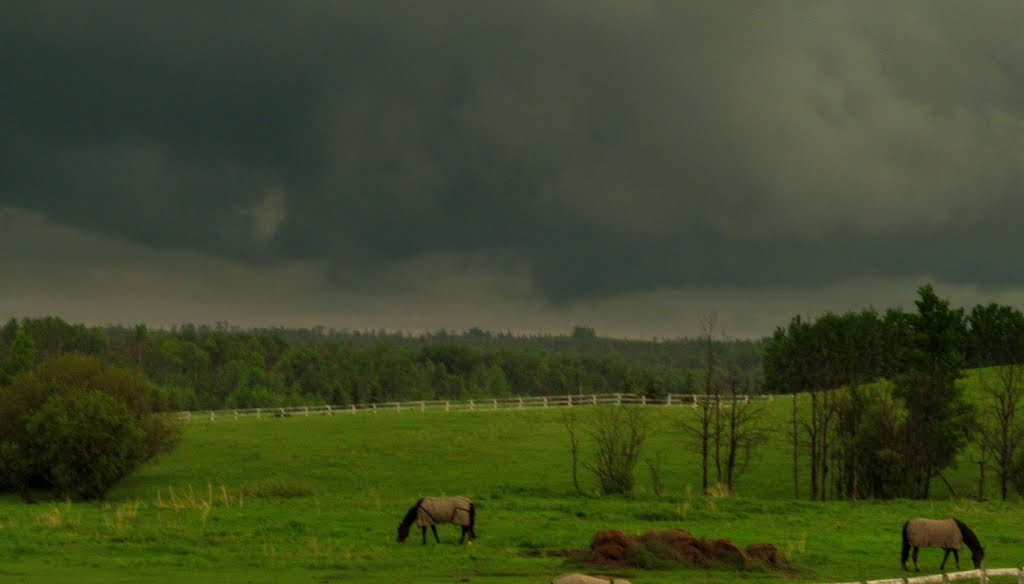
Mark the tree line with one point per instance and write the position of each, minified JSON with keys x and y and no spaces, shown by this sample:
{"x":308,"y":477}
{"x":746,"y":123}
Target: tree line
{"x":866,"y":440}
{"x":199,"y":367}
{"x":861,"y":438}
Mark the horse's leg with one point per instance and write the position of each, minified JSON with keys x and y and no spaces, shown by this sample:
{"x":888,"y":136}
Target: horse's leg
{"x":463,"y":538}
{"x":945,"y":557}
{"x":916,"y":567}
{"x":423,"y":530}
{"x":956,"y":556}
{"x":434,"y":529}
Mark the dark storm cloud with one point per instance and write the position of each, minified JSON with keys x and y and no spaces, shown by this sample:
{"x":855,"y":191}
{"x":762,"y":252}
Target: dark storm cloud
{"x":607,"y":146}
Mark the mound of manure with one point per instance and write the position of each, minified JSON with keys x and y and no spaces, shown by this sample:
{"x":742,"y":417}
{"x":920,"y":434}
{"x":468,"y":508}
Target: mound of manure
{"x":665,"y":547}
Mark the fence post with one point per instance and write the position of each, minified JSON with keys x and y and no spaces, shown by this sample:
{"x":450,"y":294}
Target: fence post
{"x":545,"y":401}
{"x":668,"y":401}
{"x":306,"y":408}
{"x":374,"y":408}
{"x":353,"y":408}
{"x":495,"y":404}
{"x":1020,"y":575}
{"x":329,"y":411}
{"x":593,"y":399}
{"x":398,"y":407}
{"x":643,"y":400}
{"x":447,"y":406}
{"x":984,"y":576}
{"x":520,"y":402}
{"x":472,"y":406}
{"x":236,"y":414}
{"x":212,"y":416}
{"x":694,"y":401}
{"x":570,"y":400}
{"x":618,"y":399}
{"x":423,"y":406}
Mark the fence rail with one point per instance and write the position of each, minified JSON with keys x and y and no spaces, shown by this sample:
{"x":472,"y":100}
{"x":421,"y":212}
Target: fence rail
{"x":472,"y":405}
{"x":981,"y":575}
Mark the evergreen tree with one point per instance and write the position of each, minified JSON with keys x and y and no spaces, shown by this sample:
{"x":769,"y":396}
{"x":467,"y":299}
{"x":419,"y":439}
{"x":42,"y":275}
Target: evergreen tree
{"x":939,"y":418}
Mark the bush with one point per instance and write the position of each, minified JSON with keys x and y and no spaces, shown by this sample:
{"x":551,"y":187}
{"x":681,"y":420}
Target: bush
{"x":88,"y":441}
{"x":619,"y":434}
{"x":77,"y":426}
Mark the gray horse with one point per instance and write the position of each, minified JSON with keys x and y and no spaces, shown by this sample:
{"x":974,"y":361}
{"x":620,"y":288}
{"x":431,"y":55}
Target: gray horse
{"x":948,"y":534}
{"x":429,"y":511}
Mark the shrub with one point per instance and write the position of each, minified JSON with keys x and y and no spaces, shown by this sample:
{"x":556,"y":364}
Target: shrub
{"x":88,"y":440}
{"x":77,"y":426}
{"x":619,"y":434}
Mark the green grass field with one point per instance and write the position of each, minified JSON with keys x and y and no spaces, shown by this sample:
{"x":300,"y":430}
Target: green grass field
{"x":318,"y":499}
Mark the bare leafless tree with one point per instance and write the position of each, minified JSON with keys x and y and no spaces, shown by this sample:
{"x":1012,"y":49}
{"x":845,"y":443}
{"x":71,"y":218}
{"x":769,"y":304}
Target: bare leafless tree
{"x":655,"y":463}
{"x":619,"y":433}
{"x":569,"y":420}
{"x":1001,"y":422}
{"x":745,"y":427}
{"x":708,"y":408}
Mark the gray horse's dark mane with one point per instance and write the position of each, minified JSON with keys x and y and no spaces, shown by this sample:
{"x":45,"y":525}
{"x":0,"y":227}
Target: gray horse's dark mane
{"x":411,"y":515}
{"x":403,"y":527}
{"x":969,"y":538}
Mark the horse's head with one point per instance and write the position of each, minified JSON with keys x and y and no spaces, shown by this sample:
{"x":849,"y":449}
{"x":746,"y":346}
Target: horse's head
{"x":403,"y":531}
{"x":978,"y":557}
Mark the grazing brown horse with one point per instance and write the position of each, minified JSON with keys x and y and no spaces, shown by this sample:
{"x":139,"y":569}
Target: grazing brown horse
{"x":433,"y":510}
{"x":948,"y":534}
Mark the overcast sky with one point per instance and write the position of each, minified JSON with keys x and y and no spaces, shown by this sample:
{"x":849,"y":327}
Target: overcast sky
{"x":632,"y":166}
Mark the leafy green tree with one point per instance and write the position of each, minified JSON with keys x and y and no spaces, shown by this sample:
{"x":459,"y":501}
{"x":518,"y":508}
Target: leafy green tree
{"x":1001,"y":421}
{"x":85,"y":442}
{"x":995,"y":336}
{"x":939,"y":418}
{"x":304,"y":370}
{"x":22,"y":358}
{"x":488,"y":381}
{"x":867,"y":460}
{"x":70,"y":412}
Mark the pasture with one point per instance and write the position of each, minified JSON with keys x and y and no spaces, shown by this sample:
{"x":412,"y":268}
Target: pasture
{"x":318,"y":499}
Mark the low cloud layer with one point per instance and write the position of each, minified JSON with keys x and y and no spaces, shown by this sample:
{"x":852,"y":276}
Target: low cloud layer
{"x":560,"y":155}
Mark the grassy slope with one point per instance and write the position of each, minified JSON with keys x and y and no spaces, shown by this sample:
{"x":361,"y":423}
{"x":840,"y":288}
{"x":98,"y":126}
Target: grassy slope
{"x":363,"y":471}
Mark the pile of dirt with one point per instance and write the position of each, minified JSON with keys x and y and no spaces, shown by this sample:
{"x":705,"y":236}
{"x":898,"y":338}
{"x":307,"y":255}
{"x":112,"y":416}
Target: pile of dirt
{"x":614,"y":549}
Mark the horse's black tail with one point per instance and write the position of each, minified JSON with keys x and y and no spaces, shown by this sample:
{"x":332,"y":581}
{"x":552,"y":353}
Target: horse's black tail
{"x":906,"y":546}
{"x":472,"y":520}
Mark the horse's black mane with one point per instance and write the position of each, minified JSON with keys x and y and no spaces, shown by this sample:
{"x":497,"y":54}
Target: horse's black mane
{"x":969,"y":538}
{"x":411,"y":515}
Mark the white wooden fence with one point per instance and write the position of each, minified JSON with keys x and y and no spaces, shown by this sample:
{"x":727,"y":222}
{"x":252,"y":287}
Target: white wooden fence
{"x":981,"y":575}
{"x":472,"y":405}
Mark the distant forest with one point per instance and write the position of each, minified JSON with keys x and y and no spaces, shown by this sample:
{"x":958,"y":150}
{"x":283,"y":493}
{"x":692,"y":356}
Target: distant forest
{"x":193,"y":367}
{"x":853,"y":348}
